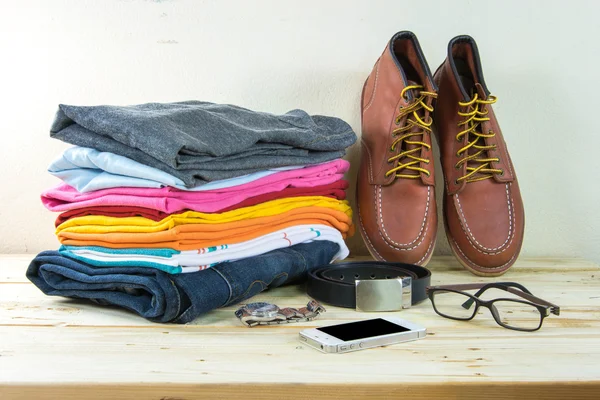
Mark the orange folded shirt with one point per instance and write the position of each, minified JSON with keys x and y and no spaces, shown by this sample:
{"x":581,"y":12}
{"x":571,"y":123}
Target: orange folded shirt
{"x":195,"y":236}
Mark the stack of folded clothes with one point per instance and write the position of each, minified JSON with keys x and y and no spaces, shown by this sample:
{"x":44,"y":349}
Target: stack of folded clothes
{"x":172,"y":210}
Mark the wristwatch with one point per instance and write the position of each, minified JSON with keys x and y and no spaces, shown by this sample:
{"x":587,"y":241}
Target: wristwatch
{"x":269,"y":314}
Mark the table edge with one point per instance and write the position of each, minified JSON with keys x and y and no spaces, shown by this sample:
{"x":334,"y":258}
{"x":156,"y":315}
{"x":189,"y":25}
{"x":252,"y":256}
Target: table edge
{"x":267,"y":391}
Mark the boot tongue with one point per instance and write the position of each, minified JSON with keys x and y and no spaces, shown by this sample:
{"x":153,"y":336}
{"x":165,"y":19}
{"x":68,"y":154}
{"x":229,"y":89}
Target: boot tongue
{"x":481,"y":95}
{"x":480,"y":91}
{"x":414,"y":94}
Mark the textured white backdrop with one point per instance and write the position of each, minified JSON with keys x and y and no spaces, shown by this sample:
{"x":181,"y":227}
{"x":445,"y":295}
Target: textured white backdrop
{"x":540,"y":58}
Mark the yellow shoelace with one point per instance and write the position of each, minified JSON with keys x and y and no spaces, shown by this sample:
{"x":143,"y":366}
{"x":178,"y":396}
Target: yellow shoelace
{"x":425,"y":126}
{"x":476,"y":139}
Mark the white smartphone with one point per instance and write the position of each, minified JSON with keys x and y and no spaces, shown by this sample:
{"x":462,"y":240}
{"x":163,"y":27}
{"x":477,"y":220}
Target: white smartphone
{"x":360,"y":335}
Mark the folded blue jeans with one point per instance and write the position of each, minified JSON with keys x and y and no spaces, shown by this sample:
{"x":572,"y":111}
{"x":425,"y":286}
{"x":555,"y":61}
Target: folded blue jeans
{"x":162,"y":297}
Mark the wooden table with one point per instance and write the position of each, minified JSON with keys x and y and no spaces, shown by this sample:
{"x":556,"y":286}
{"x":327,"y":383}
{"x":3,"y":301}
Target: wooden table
{"x":57,"y":348}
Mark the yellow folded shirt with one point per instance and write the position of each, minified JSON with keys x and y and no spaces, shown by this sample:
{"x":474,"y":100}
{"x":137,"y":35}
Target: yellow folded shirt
{"x":103,"y":224}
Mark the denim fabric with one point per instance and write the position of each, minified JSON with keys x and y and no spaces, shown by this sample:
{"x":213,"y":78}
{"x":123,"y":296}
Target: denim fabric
{"x":200,"y":142}
{"x":161,"y":297}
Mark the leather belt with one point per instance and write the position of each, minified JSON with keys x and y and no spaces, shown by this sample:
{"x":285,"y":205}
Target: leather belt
{"x":369,"y":285}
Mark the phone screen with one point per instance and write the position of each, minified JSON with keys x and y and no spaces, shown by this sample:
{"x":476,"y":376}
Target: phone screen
{"x":363,"y":329}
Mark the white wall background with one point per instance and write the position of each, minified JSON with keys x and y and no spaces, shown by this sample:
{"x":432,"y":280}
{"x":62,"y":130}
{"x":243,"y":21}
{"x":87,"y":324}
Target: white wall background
{"x":540,"y":58}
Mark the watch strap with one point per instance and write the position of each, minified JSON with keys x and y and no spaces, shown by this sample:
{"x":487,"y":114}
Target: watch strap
{"x":284,"y":315}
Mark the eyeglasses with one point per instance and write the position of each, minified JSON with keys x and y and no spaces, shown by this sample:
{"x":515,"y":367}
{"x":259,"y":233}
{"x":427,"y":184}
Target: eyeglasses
{"x":452,"y":302}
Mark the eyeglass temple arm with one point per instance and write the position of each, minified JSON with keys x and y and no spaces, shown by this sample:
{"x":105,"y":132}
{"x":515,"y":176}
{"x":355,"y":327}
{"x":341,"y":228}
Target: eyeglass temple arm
{"x":497,"y":285}
{"x":482,"y":286}
{"x":504,"y":286}
{"x":521,"y":291}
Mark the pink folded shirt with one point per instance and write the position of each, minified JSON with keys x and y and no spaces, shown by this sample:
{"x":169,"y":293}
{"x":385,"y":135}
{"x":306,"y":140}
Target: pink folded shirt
{"x":171,"y":200}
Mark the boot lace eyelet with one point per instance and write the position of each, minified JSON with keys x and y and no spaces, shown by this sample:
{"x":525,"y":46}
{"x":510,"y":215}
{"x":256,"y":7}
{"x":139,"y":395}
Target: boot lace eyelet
{"x":479,"y":157}
{"x":410,"y":139}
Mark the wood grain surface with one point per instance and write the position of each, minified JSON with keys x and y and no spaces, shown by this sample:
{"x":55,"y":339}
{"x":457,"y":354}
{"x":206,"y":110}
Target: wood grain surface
{"x":58,"y":348}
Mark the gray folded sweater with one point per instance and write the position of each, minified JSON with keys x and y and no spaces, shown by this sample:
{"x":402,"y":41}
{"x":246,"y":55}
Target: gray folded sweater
{"x":200,"y":142}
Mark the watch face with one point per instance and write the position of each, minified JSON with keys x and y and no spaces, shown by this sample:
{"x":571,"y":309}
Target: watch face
{"x":263,"y":310}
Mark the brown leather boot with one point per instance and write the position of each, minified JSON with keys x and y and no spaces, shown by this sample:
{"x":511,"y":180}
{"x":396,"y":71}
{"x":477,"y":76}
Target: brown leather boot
{"x":483,"y":210}
{"x":395,"y":189}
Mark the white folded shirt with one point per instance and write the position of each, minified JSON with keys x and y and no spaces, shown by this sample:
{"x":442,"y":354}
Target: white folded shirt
{"x":174,"y":261}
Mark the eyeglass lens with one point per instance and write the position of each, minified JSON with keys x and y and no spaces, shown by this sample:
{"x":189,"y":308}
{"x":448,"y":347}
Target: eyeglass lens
{"x":450,"y":304}
{"x":517,"y":315}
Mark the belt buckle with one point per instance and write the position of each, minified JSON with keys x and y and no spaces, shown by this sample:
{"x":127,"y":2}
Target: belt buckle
{"x":384,"y":294}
